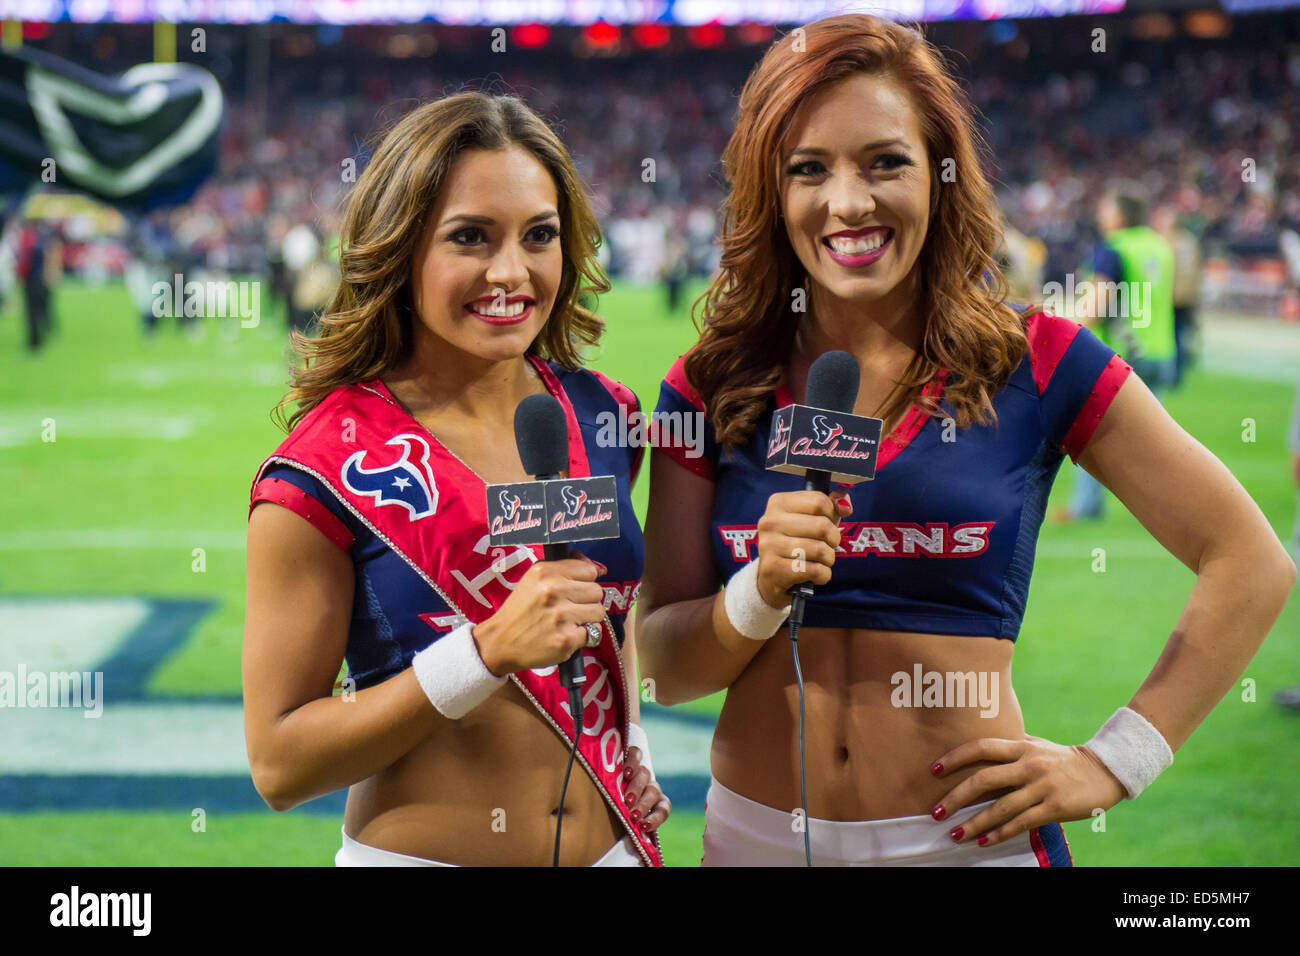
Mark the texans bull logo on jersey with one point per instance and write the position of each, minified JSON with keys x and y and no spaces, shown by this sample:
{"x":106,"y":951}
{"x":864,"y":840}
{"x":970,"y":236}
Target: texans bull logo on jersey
{"x":823,"y":431}
{"x":573,"y":500}
{"x":407,"y":482}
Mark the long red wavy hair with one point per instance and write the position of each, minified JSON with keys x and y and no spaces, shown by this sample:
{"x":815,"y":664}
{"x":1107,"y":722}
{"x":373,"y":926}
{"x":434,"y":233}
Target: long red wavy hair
{"x":745,"y":319}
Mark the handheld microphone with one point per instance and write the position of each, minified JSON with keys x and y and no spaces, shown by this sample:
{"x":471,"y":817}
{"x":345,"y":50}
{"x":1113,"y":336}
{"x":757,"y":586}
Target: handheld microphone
{"x":542,"y":437}
{"x":832,"y":386}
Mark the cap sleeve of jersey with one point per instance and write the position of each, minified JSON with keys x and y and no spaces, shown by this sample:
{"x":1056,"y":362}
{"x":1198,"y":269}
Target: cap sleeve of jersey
{"x":1077,"y":377}
{"x":302,"y":494}
{"x":680,"y":428}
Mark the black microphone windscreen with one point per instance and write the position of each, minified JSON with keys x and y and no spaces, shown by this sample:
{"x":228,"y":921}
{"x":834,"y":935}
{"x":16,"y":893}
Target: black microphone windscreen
{"x":833,"y":382}
{"x":542,"y":435}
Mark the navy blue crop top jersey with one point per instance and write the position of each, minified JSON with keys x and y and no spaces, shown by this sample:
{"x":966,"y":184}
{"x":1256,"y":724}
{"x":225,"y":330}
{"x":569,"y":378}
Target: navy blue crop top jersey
{"x":942,"y":540}
{"x":394,"y":611}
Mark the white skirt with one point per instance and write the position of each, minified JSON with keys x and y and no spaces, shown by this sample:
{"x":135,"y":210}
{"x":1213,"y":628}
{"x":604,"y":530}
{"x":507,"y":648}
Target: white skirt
{"x":352,"y":853}
{"x":740,"y":832}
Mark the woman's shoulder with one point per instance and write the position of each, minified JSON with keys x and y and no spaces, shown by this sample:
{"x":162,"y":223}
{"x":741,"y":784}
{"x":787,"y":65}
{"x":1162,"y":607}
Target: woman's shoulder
{"x":296,"y":461}
{"x":1074,"y":374}
{"x":594,"y":391}
{"x":1058,"y":345}
{"x":675,"y":378}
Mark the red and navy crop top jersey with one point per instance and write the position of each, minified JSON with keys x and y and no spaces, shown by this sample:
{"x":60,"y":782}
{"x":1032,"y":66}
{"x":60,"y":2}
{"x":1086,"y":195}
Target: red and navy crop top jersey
{"x":394,"y":611}
{"x":942,"y":540}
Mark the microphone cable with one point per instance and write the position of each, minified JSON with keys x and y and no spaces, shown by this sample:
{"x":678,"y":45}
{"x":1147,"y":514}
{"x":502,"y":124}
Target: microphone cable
{"x":800,"y":593}
{"x":575,"y":708}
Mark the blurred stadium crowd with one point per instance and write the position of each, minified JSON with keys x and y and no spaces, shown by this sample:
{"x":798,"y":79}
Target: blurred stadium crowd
{"x":1207,"y":127}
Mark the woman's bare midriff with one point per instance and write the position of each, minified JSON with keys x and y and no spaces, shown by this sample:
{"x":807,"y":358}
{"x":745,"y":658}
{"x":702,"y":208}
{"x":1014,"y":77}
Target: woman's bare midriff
{"x":483,"y":791}
{"x":867,"y":756}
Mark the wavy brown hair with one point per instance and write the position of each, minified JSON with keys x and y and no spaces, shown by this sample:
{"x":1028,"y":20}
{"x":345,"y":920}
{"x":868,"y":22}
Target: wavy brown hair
{"x":366,"y":329}
{"x":747,"y":328}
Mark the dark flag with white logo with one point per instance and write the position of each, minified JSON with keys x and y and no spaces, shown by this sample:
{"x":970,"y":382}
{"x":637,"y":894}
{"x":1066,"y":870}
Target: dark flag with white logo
{"x":145,"y":139}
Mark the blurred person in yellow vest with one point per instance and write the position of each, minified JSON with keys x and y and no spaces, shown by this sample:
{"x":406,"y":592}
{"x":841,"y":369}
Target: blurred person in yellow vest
{"x":1130,"y":307}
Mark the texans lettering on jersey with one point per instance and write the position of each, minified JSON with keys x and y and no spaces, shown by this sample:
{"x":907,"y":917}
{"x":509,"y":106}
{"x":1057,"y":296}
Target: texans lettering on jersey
{"x":883,"y":539}
{"x":963,"y":505}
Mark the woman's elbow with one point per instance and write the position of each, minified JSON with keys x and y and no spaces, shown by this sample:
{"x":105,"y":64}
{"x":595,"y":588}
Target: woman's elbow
{"x":661,"y":689}
{"x":271,"y":781}
{"x":1286,"y":574}
{"x":1273,"y":576}
{"x":272,"y":791}
{"x":658,"y":683}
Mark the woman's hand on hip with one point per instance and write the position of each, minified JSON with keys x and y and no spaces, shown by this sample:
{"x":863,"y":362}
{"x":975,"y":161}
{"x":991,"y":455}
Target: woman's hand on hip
{"x":1052,"y":783}
{"x":648,"y":805}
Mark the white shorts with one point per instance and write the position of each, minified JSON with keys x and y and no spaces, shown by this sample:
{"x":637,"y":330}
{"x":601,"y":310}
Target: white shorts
{"x":740,"y":832}
{"x":352,"y":853}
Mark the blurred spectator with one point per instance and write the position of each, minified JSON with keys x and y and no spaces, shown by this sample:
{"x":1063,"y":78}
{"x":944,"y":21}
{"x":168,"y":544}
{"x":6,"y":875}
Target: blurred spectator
{"x":1187,"y":283}
{"x":40,"y":263}
{"x":1131,"y":309}
{"x":1290,"y":697}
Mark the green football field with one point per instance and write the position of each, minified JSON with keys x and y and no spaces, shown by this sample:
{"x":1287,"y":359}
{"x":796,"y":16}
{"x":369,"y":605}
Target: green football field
{"x":128,"y":464}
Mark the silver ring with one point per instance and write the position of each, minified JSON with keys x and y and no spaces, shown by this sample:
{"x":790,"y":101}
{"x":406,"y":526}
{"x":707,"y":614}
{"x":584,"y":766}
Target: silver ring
{"x":593,"y":635}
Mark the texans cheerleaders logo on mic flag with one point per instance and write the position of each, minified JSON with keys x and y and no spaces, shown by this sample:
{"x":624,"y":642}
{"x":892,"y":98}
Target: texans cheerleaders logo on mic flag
{"x":509,"y":503}
{"x":804,"y":437}
{"x":404,"y":482}
{"x":573,"y":500}
{"x":823,"y":431}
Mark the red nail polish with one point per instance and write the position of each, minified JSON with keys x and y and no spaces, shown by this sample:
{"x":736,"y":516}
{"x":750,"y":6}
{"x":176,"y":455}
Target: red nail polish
{"x":627,"y":773}
{"x":629,"y":800}
{"x":645,"y":826}
{"x":937,"y":769}
{"x":938,"y":812}
{"x":982,"y":840}
{"x":956,"y":833}
{"x":636,"y":816}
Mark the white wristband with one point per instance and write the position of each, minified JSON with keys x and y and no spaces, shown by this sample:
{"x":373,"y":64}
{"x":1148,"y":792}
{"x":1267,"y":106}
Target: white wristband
{"x":746,"y":609}
{"x":1132,"y":749}
{"x":453,"y":675}
{"x":636,"y":737}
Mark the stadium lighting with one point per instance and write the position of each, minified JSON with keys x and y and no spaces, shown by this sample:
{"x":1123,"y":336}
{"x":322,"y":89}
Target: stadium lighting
{"x":531,"y":36}
{"x":601,"y":35}
{"x":707,"y":35}
{"x":650,"y":36}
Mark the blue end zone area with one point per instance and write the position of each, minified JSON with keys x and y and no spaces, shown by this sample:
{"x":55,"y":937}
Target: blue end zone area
{"x":164,"y":632}
{"x":233,"y":794}
{"x":152,"y":752}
